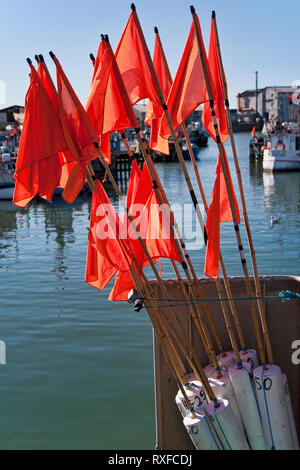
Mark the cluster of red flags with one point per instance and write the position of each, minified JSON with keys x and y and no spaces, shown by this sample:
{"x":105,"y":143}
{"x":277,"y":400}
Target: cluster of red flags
{"x":60,"y":137}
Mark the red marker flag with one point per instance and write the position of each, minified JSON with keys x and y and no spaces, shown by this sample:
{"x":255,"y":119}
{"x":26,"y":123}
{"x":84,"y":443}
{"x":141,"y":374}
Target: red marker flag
{"x":154,"y":112}
{"x":219,"y":211}
{"x":134,"y":63}
{"x":108,"y":250}
{"x":38,"y":168}
{"x":188,"y":90}
{"x":215,"y":69}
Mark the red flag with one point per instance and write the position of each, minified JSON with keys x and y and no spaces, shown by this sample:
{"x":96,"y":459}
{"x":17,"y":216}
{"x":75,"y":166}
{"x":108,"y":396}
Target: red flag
{"x":13,"y":131}
{"x":219,"y":211}
{"x":253,"y":131}
{"x":154,"y":112}
{"x":134,"y":63}
{"x":189,"y":89}
{"x":38,"y":168}
{"x":79,"y":133}
{"x":66,"y":159}
{"x":215,"y":69}
{"x":108,"y":251}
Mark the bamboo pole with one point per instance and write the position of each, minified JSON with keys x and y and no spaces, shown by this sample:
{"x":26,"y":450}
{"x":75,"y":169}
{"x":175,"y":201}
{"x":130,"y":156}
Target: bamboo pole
{"x":199,"y":369}
{"x":232,"y":205}
{"x":218,"y":283}
{"x":245,"y":214}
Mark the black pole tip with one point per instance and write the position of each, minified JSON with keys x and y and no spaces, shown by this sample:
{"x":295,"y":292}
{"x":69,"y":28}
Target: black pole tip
{"x":92,"y":57}
{"x":192,"y":8}
{"x":155,"y":30}
{"x":132,"y":6}
{"x":213,"y":14}
{"x":41,"y":58}
{"x":28,"y":61}
{"x":102,"y":37}
{"x":37,"y":58}
{"x":52,"y":55}
{"x":106,"y":38}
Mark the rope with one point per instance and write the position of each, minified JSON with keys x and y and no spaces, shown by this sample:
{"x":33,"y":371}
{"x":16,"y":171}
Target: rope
{"x":267,"y":409}
{"x":212,"y":433}
{"x":284,"y":296}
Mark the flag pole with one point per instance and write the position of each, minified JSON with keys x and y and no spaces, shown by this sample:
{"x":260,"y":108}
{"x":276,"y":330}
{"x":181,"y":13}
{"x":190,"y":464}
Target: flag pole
{"x":176,"y":364}
{"x":226,"y":281}
{"x":122,"y":134}
{"x":171,"y":219}
{"x":241,"y":190}
{"x":175,"y":140}
{"x":199,"y":370}
{"x":232,"y":205}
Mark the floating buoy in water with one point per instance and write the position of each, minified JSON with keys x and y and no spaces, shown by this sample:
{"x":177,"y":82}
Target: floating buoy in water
{"x":226,"y":426}
{"x":290,"y":411}
{"x":273,"y":408}
{"x":248,"y":406}
{"x":201,"y":432}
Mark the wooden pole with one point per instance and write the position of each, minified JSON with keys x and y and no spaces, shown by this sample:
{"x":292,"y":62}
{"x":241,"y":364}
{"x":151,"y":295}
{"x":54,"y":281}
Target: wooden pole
{"x":232,"y":205}
{"x":218,"y":283}
{"x":245,"y":215}
{"x":188,"y":343}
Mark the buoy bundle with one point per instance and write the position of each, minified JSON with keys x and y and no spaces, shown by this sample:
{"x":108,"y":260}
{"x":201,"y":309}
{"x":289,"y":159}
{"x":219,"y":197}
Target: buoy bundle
{"x":240,"y":400}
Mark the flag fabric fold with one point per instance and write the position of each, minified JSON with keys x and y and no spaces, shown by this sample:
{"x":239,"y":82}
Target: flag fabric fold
{"x":189,"y":89}
{"x":38,"y":168}
{"x":215,"y":68}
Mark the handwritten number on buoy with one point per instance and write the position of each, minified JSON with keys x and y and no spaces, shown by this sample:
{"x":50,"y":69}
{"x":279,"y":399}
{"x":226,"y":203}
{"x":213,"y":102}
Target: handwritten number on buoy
{"x":267,"y":383}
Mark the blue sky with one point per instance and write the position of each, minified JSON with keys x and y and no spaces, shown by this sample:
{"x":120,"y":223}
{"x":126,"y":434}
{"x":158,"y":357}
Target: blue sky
{"x":258,"y":35}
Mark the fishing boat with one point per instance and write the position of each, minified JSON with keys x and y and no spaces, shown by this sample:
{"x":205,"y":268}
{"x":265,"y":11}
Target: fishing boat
{"x":282,"y":152}
{"x":186,"y":153}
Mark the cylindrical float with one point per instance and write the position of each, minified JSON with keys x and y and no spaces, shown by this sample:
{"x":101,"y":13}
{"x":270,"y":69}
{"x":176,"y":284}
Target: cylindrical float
{"x":222,"y":388}
{"x":273,"y":408}
{"x":209,"y":369}
{"x":226,"y":426}
{"x":201,"y":432}
{"x":250,"y":356}
{"x":196,"y":396}
{"x":290,"y":411}
{"x":226,"y":361}
{"x":248,"y":407}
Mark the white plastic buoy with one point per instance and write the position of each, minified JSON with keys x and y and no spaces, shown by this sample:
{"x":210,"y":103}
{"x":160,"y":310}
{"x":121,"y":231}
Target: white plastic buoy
{"x":226,"y":426}
{"x":226,"y":361}
{"x":208,"y":369}
{"x":248,"y":407}
{"x":250,"y":356}
{"x":290,"y":411}
{"x":273,"y":408}
{"x":196,"y":395}
{"x":222,"y":388}
{"x":201,"y":432}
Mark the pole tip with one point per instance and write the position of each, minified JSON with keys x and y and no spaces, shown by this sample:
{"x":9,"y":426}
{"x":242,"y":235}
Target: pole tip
{"x":102,"y":37}
{"x":52,"y":55}
{"x":41,"y":58}
{"x":213,"y":14}
{"x":192,"y":8}
{"x":155,"y":30}
{"x":92,"y":57}
{"x":106,"y":38}
{"x":37,"y":58}
{"x":28,"y":61}
{"x":132,"y":6}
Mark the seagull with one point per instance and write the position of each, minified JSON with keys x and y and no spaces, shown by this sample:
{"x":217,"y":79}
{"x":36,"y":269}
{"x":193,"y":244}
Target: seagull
{"x":274,"y":220}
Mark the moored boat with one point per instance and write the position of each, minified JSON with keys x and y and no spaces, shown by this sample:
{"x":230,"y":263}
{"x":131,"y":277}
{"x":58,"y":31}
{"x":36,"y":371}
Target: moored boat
{"x":282,"y":153}
{"x":7,"y":182}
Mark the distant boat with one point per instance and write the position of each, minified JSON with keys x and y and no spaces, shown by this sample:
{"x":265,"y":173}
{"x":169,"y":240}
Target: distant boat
{"x":185,"y":151}
{"x":282,"y":152}
{"x":7,"y":182}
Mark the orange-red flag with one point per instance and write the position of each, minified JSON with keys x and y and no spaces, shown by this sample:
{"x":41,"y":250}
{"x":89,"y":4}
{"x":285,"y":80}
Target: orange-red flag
{"x":38,"y":168}
{"x":215,"y":68}
{"x":189,"y":89}
{"x":79,"y":132}
{"x":108,"y":250}
{"x":134,"y":63}
{"x":66,"y":159}
{"x":154,"y":112}
{"x":219,"y":211}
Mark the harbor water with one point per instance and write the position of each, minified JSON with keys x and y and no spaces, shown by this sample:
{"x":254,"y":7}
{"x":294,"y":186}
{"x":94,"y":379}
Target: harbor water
{"x":79,"y":369}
